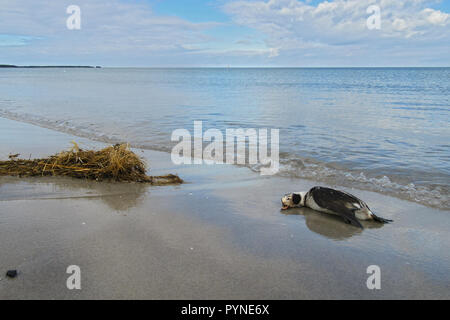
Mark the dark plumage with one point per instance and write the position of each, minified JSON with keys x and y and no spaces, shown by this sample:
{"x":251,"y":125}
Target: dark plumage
{"x":346,"y":205}
{"x":338,"y":202}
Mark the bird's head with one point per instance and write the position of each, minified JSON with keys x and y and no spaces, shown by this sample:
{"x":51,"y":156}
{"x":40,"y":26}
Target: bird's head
{"x":293,"y":200}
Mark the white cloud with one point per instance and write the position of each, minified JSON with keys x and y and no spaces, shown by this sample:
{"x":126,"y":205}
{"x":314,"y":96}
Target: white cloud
{"x":399,"y":24}
{"x":108,"y":27}
{"x":436,"y":17}
{"x":296,"y":26}
{"x":283,"y":32}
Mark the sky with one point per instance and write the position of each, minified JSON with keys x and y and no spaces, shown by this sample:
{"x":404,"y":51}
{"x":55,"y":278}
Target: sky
{"x":222,"y":33}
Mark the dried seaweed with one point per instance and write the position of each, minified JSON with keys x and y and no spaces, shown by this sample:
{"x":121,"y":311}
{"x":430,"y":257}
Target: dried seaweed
{"x":115,"y":163}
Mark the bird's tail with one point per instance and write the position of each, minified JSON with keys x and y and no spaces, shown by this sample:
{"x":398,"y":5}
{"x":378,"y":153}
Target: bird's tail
{"x":380,"y":220}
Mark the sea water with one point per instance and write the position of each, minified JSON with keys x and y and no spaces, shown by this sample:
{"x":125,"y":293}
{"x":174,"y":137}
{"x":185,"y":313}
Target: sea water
{"x":380,"y":129}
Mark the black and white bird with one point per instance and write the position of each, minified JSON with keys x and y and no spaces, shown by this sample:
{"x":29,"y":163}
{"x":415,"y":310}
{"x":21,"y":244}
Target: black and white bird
{"x":331,"y":201}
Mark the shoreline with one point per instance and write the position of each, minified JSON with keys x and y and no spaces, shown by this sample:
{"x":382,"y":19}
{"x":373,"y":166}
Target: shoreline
{"x":46,"y":67}
{"x":219,"y":236}
{"x":400,"y":191}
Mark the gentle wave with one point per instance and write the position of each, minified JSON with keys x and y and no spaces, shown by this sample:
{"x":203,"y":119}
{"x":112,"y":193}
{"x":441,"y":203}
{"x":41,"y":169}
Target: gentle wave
{"x":436,"y":196}
{"x":73,"y":129}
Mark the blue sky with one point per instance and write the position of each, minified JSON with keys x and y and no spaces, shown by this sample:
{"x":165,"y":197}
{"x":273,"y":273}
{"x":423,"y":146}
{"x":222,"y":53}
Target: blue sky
{"x":237,"y":33}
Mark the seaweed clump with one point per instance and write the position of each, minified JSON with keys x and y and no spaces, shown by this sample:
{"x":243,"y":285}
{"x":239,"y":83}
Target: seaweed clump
{"x":114,"y":163}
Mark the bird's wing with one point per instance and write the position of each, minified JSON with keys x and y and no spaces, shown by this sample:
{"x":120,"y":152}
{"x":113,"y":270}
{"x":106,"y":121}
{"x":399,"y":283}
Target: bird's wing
{"x":339,"y":202}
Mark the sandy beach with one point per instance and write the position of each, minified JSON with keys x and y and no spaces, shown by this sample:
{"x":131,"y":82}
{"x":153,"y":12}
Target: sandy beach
{"x":221,"y":235}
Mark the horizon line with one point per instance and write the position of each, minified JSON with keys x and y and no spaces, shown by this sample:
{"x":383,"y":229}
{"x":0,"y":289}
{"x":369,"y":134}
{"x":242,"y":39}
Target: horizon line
{"x":212,"y":67}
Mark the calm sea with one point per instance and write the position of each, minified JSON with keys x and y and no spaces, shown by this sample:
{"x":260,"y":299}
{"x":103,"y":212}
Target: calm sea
{"x":382,"y":129}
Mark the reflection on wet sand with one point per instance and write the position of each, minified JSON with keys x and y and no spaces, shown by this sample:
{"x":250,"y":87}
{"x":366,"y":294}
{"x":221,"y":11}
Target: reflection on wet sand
{"x":329,"y":226}
{"x":117,"y":196}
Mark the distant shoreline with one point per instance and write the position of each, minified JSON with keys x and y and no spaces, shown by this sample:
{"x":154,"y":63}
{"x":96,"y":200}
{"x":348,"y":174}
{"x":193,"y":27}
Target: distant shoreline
{"x":28,"y":67}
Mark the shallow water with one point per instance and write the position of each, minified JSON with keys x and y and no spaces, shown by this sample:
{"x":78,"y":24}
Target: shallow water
{"x":384,"y":130}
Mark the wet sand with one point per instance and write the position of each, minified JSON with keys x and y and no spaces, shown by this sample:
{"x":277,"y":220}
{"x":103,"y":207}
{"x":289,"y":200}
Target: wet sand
{"x":219,"y":236}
